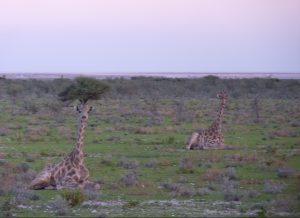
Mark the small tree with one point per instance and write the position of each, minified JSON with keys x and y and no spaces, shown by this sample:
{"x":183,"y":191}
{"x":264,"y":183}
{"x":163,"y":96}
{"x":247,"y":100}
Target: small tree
{"x":84,"y":89}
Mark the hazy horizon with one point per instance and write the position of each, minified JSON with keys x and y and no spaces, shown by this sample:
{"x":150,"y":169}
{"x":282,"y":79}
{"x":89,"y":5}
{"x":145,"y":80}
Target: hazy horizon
{"x":98,"y":36}
{"x":151,"y":74}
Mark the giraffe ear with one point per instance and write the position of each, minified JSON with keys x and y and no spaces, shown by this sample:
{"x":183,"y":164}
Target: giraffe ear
{"x":77,"y":109}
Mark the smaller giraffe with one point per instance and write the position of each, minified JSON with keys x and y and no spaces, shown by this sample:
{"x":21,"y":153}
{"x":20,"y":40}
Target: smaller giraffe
{"x":211,"y":138}
{"x":71,"y":171}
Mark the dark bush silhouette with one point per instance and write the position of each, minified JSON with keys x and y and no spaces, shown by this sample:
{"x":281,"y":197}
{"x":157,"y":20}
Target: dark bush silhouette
{"x":84,"y":89}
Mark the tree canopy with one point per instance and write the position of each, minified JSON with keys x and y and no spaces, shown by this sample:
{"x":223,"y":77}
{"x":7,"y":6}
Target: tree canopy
{"x":84,"y":89}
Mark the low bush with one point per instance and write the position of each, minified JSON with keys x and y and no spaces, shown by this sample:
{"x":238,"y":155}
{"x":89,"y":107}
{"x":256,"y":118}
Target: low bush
{"x":107,"y":160}
{"x":285,"y":172}
{"x":273,"y":187}
{"x":230,"y":172}
{"x":127,"y":164}
{"x":59,"y":205}
{"x":129,"y":179}
{"x":151,"y":164}
{"x":186,"y":165}
{"x":179,"y":190}
{"x":73,"y":197}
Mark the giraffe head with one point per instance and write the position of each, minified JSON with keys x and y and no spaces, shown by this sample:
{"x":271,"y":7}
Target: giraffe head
{"x":84,"y":110}
{"x":223,"y":96}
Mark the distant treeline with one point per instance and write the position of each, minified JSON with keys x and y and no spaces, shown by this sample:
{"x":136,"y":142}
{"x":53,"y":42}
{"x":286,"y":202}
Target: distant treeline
{"x":152,"y":87}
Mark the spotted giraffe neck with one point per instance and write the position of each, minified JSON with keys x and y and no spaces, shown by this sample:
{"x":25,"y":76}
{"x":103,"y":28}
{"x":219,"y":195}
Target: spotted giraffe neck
{"x":81,"y":131}
{"x":77,"y":153}
{"x":217,"y":124}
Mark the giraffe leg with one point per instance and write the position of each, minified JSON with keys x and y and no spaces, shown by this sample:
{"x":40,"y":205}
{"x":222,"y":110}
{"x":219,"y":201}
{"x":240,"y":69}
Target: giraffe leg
{"x":84,"y":173}
{"x":221,"y":139}
{"x":38,"y":183}
{"x":42,"y":180}
{"x":193,"y":141}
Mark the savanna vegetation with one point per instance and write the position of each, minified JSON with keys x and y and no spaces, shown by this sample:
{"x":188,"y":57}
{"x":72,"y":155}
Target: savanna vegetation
{"x":135,"y":144}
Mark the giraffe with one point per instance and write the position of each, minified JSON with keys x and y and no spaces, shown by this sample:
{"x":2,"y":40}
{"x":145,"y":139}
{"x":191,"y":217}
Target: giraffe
{"x":211,"y":138}
{"x":71,"y":171}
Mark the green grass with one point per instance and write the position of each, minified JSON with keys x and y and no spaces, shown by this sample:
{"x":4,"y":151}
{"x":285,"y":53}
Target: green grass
{"x":114,"y":135}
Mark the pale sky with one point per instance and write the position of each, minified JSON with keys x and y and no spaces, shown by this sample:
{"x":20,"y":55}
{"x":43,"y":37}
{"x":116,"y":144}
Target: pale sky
{"x":149,"y":36}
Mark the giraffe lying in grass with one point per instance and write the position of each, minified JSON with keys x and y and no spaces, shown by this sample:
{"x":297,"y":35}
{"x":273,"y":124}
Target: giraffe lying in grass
{"x":71,"y":171}
{"x":211,"y":138}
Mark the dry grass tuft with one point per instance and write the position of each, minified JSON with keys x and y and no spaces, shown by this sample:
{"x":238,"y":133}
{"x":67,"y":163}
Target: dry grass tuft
{"x":284,"y":132}
{"x":144,"y":130}
{"x":212,"y":174}
{"x":36,"y":133}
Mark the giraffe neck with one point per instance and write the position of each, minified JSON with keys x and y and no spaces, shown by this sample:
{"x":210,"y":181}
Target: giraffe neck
{"x":77,"y":153}
{"x":217,"y":124}
{"x":80,"y":137}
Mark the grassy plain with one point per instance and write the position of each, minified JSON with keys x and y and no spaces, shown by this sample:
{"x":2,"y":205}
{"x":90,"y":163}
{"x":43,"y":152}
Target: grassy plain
{"x":135,"y":148}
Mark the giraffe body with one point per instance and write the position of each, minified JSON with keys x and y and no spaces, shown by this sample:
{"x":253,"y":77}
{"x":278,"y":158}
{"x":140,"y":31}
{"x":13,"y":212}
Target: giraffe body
{"x":71,"y":171}
{"x":211,"y":138}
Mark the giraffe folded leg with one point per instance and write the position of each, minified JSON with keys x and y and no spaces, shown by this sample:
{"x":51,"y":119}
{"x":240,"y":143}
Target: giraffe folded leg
{"x":38,"y":184}
{"x":42,"y":180}
{"x":193,"y":141}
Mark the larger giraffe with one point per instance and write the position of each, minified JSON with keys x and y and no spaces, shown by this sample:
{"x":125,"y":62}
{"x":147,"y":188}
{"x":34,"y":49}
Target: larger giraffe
{"x":211,"y":138}
{"x":71,"y":171}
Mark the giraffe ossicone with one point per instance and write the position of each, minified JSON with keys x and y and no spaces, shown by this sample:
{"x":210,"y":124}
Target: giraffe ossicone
{"x":212,"y":137}
{"x":70,"y":172}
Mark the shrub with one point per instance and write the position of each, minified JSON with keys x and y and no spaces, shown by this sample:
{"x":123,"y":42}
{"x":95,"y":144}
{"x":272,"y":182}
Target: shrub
{"x":101,"y":215}
{"x":186,"y":165}
{"x":107,"y":160}
{"x":21,"y":195}
{"x":143,"y":130}
{"x":24,"y":167}
{"x":230,"y":173}
{"x":91,"y":194}
{"x":251,"y":193}
{"x":2,"y":192}
{"x":59,"y":205}
{"x":212,"y":175}
{"x":131,"y":204}
{"x":73,"y":197}
{"x":230,"y":192}
{"x":170,"y":186}
{"x":295,"y":123}
{"x":30,"y":159}
{"x":285,"y":172}
{"x":6,"y":207}
{"x":84,"y":89}
{"x":273,"y":187}
{"x":183,"y":179}
{"x":151,"y":163}
{"x":36,"y":133}
{"x":284,"y":204}
{"x":203,"y":191}
{"x":129,"y":179}
{"x":30,"y":106}
{"x":4,"y":131}
{"x":127,"y":164}
{"x":170,"y":140}
{"x":25,"y":176}
{"x":284,"y":132}
{"x":179,"y":189}
{"x":185,"y":191}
